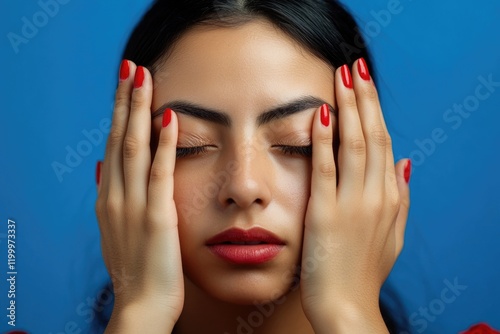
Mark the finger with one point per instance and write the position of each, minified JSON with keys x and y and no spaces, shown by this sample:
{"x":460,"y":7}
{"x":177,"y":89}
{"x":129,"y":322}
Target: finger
{"x":162,"y":221}
{"x":391,"y":182}
{"x":136,"y":144}
{"x":390,"y":179}
{"x":161,"y":178}
{"x":403,"y":171}
{"x":324,"y":174}
{"x":352,"y":150}
{"x":112,"y":168}
{"x":375,"y":134}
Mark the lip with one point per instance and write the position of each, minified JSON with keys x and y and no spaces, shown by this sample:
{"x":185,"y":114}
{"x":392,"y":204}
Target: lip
{"x":253,"y":246}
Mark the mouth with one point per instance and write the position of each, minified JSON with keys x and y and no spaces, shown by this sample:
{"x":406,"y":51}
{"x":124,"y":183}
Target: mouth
{"x":244,"y":243}
{"x":250,"y":247}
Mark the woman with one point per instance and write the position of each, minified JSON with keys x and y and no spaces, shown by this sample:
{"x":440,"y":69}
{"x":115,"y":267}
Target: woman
{"x":249,"y":184}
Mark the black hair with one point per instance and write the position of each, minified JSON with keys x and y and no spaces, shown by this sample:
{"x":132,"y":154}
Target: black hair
{"x":324,"y":27}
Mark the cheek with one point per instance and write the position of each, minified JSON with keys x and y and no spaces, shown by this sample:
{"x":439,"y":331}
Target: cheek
{"x":293,"y":187}
{"x":190,"y":207}
{"x":187,"y":199}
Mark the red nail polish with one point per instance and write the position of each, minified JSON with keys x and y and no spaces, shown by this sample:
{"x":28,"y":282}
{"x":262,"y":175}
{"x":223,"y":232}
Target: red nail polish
{"x":363,"y":69}
{"x":408,"y":171}
{"x":124,"y":70}
{"x":98,"y":172}
{"x":139,"y":77}
{"x":325,"y":115}
{"x":167,"y":117}
{"x":346,"y":76}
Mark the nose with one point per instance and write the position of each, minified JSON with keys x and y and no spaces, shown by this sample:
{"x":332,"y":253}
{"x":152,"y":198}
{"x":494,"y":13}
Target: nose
{"x":249,"y":181}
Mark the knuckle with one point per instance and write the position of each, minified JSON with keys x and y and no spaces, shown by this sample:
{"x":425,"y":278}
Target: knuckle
{"x":158,"y":172}
{"x":137,"y":101}
{"x":130,"y":147}
{"x":350,"y":102}
{"x":394,"y":202}
{"x":328,"y":169}
{"x":391,"y":177}
{"x":115,"y":137}
{"x":388,"y":140}
{"x":122,"y":98}
{"x":378,"y":136}
{"x":369,"y":92}
{"x":356,"y":145}
{"x":165,"y":141}
{"x":155,"y":223}
{"x":328,"y":141}
{"x":113,"y":208}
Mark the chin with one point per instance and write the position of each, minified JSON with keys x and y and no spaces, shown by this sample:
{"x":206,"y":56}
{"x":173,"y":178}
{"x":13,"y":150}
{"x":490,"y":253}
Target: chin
{"x":245,"y":286}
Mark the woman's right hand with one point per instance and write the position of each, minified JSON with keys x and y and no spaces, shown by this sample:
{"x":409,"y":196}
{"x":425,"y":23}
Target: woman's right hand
{"x":137,"y":214}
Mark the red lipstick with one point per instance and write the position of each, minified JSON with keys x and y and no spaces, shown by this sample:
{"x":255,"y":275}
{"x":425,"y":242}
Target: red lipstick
{"x":238,"y":246}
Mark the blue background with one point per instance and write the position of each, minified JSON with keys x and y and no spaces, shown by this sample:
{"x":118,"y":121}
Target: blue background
{"x":59,"y":86}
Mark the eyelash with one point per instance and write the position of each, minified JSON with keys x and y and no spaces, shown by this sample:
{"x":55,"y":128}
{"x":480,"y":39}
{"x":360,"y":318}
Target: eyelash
{"x":299,"y":150}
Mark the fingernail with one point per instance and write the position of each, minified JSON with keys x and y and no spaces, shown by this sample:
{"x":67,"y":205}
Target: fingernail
{"x":408,"y":171}
{"x":139,"y":77}
{"x":167,"y":117}
{"x":325,"y":115}
{"x":98,"y":172}
{"x":363,"y":69}
{"x":346,"y":76}
{"x":124,"y":70}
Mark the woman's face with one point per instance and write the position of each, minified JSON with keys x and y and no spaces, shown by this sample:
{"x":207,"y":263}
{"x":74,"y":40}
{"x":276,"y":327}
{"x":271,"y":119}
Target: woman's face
{"x":243,"y":179}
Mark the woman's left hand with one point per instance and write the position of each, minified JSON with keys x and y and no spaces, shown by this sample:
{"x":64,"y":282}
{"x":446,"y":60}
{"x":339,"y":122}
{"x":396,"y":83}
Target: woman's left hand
{"x":356,"y":215}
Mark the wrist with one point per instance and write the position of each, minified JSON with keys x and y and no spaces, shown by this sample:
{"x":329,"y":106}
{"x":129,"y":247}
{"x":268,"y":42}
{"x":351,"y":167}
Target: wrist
{"x":351,"y":319}
{"x":140,"y":317}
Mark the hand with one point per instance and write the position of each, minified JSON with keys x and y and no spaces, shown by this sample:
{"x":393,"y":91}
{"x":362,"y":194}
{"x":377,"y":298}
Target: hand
{"x":136,"y":211}
{"x":354,"y":226}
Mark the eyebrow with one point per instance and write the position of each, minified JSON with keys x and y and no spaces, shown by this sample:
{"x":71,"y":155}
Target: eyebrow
{"x":219,"y":117}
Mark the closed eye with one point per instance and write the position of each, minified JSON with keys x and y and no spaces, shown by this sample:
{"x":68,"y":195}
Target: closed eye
{"x":300,"y":150}
{"x":182,"y":152}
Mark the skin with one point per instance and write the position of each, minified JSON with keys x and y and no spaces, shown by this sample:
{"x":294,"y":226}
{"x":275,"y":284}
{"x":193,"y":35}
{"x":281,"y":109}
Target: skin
{"x":342,"y":217}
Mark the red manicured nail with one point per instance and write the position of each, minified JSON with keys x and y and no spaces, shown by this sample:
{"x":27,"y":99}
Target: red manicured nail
{"x":139,"y":77}
{"x":124,"y":70}
{"x":408,"y":171}
{"x":363,"y":69}
{"x":167,"y":117}
{"x":346,"y":76}
{"x":98,"y":172}
{"x":325,"y":115}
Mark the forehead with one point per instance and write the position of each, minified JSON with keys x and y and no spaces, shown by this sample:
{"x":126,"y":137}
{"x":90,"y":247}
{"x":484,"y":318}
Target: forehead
{"x":254,"y":66}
